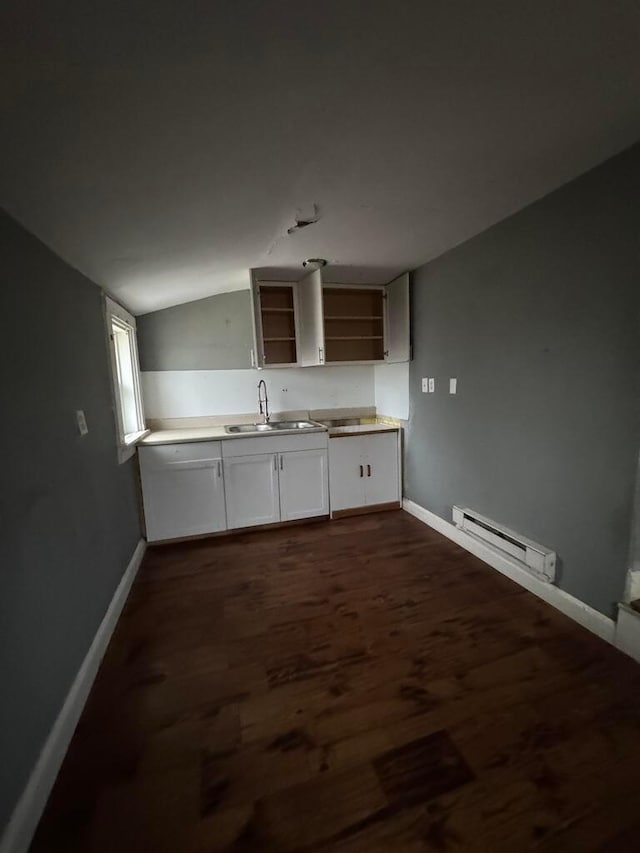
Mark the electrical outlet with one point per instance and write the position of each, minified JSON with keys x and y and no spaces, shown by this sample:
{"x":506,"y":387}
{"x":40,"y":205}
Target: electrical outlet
{"x":83,"y":429}
{"x":425,"y":385}
{"x":453,"y":385}
{"x":432,"y":384}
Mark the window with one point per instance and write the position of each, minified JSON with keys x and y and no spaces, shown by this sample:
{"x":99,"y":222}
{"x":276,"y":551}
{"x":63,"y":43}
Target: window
{"x":125,"y":372}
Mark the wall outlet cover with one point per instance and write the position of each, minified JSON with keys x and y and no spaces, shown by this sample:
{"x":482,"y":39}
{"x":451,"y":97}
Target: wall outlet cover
{"x":83,"y":429}
{"x":425,"y":385}
{"x":432,"y":385}
{"x":453,"y":386}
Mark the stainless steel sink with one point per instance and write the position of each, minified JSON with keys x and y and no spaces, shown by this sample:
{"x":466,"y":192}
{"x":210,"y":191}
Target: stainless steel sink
{"x":248,"y":428}
{"x":274,"y":426}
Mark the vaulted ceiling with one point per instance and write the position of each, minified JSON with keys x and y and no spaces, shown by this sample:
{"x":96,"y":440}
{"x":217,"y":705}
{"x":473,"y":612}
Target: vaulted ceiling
{"x":163,"y":148}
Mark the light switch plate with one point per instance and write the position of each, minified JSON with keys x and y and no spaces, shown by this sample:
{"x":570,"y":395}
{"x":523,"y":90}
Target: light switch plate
{"x":453,"y":385}
{"x":83,"y":429}
{"x":425,"y":385}
{"x":432,"y":384}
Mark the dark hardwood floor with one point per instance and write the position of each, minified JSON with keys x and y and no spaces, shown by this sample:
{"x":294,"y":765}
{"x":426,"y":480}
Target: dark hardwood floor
{"x":355,"y":685}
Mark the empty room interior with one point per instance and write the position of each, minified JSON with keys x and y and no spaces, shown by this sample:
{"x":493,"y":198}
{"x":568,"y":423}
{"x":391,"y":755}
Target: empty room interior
{"x":320,"y":521}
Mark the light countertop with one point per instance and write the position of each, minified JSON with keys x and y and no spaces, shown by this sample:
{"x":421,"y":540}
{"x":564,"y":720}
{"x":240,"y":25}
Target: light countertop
{"x":181,"y":436}
{"x":217,"y":433}
{"x":358,"y":429}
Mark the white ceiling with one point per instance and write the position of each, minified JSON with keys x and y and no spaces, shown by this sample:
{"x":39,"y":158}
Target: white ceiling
{"x":163,"y":148}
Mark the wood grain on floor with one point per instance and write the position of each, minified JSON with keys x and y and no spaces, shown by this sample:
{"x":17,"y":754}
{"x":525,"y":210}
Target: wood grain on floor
{"x":354,"y":685}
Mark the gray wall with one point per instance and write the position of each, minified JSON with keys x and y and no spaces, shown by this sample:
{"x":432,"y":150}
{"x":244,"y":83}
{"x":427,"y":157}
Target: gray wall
{"x":209,"y":334}
{"x":68,"y":511}
{"x":538,"y":318}
{"x":634,"y":551}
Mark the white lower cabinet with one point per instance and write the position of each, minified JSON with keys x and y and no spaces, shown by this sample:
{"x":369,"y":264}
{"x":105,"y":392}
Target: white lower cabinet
{"x":304,"y":484}
{"x":183,"y":490}
{"x":252,"y":490}
{"x":272,"y":487}
{"x":364,"y":470}
{"x":205,"y":487}
{"x":276,"y":478}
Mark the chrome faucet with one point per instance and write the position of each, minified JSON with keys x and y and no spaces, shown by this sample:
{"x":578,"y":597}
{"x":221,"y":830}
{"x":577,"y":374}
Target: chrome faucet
{"x":263,"y":403}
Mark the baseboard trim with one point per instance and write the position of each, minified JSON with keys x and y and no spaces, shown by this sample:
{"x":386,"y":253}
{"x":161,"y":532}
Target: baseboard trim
{"x":577,"y":610}
{"x":365,"y":510}
{"x":628,"y":631}
{"x":24,"y":820}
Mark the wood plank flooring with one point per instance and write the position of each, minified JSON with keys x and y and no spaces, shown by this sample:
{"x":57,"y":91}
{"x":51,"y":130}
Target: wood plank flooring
{"x":354,"y":685}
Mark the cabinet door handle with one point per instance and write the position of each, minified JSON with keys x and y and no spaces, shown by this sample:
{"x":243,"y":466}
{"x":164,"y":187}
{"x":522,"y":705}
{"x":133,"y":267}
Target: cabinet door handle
{"x":368,"y":470}
{"x":219,"y":468}
{"x":281,"y":462}
{"x":321,"y":355}
{"x":361,"y":471}
{"x":275,"y":463}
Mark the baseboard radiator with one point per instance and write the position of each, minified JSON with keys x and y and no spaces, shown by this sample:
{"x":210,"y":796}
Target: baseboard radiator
{"x":537,"y":559}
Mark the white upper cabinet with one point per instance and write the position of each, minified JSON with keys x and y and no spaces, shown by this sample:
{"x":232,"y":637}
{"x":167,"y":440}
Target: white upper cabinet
{"x":312,"y":350}
{"x":310,"y":323}
{"x":275,"y":314}
{"x":353,"y":323}
{"x":397,"y":324}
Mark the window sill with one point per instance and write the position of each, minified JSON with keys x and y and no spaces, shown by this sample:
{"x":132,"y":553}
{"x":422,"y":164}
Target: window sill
{"x":128,"y":447}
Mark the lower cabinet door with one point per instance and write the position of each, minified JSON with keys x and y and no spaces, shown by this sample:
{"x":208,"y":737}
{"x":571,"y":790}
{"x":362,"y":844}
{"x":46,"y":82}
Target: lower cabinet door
{"x":251,"y":488}
{"x":304,"y":484}
{"x":184,"y":498}
{"x":346,"y":473}
{"x":381,"y":468}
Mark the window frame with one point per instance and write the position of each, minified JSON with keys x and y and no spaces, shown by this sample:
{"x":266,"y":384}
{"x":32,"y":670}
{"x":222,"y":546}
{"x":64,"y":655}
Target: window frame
{"x":126,"y":442}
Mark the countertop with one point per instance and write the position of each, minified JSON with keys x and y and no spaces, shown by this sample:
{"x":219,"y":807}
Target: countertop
{"x":217,"y":433}
{"x":358,"y":429}
{"x":181,"y":436}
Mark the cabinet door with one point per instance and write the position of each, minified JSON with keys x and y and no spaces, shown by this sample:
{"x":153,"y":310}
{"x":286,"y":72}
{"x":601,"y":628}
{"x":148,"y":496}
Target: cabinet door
{"x":183,"y":498}
{"x":381,"y":468}
{"x":251,"y":488}
{"x":304,"y":484}
{"x":311,"y":319}
{"x":257,"y":353}
{"x":346,"y":473}
{"x":397,"y":325}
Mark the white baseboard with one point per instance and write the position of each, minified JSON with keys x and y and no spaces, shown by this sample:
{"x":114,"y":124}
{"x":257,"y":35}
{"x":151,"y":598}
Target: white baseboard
{"x":577,"y":610}
{"x":628,"y":631}
{"x":24,"y":820}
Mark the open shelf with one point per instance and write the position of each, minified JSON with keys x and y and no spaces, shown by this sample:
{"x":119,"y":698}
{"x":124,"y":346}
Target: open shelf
{"x":353,"y":317}
{"x":354,"y":349}
{"x":277,"y":312}
{"x":353,"y":324}
{"x":345,"y":303}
